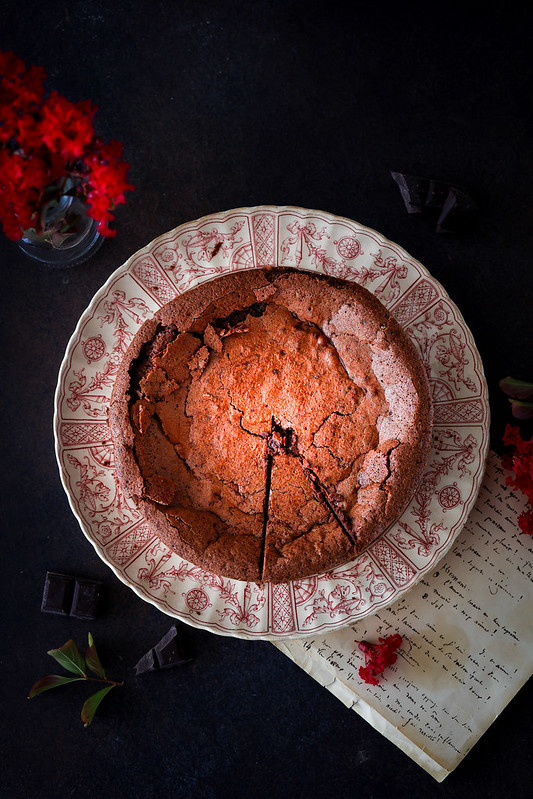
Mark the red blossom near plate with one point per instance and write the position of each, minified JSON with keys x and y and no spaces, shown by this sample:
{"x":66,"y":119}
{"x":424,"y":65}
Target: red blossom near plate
{"x":378,"y":657}
{"x":520,"y":462}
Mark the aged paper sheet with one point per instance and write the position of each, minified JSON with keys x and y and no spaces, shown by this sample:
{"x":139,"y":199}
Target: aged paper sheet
{"x":468,"y":640}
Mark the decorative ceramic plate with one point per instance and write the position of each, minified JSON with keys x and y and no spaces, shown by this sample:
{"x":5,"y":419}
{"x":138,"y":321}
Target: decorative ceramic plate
{"x":248,"y":238}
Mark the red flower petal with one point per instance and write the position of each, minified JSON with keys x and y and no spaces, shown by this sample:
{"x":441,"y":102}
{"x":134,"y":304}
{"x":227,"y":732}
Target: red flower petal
{"x":378,"y":657}
{"x":66,"y":127}
{"x":520,"y":462}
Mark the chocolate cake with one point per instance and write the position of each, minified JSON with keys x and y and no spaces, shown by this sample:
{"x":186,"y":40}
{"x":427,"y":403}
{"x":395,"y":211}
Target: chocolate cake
{"x":270,"y":424}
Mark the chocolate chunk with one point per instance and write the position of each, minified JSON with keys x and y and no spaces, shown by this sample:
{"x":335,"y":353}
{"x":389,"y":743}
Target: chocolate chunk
{"x":437,"y":194}
{"x":86,"y":598}
{"x":57,"y":594}
{"x":170,"y":651}
{"x":146,"y":663}
{"x":426,"y":195}
{"x":66,"y":595}
{"x":414,"y":191}
{"x":457,"y":212}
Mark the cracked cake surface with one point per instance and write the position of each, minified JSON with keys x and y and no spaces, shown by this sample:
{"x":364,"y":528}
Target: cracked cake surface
{"x":270,"y":424}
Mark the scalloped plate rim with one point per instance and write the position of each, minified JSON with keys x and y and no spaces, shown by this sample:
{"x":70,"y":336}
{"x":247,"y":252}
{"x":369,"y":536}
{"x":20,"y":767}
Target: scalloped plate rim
{"x":146,"y":250}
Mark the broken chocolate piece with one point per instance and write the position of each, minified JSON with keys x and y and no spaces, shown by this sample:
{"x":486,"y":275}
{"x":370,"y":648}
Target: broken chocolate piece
{"x":437,"y":193}
{"x":146,"y":663}
{"x":66,"y":595}
{"x":170,"y":651}
{"x":414,"y":191}
{"x":426,"y":195}
{"x":57,"y":594}
{"x":457,"y":212}
{"x":86,"y":598}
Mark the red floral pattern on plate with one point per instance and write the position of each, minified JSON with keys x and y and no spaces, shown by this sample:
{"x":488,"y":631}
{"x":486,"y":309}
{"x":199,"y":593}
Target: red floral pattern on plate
{"x":242,"y":239}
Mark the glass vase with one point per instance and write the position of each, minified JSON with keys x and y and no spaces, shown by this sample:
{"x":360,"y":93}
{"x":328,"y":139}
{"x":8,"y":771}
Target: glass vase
{"x":66,"y":249}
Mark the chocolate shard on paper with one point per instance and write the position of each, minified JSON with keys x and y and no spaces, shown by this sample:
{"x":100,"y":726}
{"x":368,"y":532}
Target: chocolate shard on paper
{"x":170,"y":651}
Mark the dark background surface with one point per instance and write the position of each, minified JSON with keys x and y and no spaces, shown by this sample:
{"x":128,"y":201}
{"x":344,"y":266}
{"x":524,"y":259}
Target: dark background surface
{"x":221,"y":105}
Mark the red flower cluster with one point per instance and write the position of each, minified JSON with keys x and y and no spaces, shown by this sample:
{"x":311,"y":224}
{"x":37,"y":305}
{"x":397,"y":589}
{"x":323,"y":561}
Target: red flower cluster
{"x":520,"y":461}
{"x":378,"y":657}
{"x":48,"y":148}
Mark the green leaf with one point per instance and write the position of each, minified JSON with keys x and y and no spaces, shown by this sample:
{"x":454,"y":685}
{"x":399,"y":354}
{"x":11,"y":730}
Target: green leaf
{"x":517,"y":389}
{"x":89,"y":707}
{"x":92,"y":660}
{"x":70,"y":657}
{"x":50,"y":681}
{"x":521,"y":409}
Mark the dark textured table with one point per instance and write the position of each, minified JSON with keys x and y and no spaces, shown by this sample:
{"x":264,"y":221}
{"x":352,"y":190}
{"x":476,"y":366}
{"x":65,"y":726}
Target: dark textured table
{"x":221,"y":105}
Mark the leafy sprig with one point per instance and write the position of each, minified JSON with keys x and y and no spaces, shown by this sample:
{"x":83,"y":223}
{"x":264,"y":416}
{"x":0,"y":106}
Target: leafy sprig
{"x":520,"y":395}
{"x":71,"y":659}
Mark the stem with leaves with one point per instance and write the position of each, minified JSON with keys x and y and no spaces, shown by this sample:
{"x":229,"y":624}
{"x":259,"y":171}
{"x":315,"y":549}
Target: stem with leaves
{"x":70,"y":657}
{"x":520,"y":395}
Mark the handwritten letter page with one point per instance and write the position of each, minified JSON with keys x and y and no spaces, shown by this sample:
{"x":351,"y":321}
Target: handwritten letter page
{"x":468,"y":640}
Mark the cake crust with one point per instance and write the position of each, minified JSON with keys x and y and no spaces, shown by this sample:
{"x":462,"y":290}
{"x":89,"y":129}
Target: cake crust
{"x":271,"y":424}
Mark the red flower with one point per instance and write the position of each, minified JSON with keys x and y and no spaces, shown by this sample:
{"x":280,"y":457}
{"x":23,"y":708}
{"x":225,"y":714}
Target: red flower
{"x":18,"y":207}
{"x":18,"y":84}
{"x":107,"y":184}
{"x":378,"y":657}
{"x":48,"y":147}
{"x":21,"y":91}
{"x":67,"y":128}
{"x":520,"y":461}
{"x":525,"y":521}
